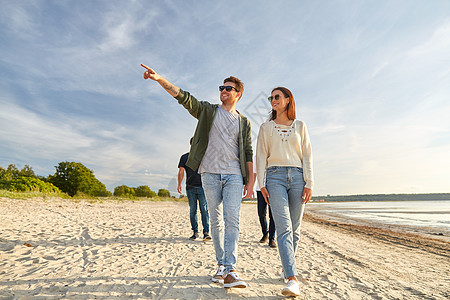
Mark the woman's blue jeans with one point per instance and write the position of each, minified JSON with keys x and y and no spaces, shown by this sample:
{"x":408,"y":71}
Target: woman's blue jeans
{"x":194,"y":194}
{"x":224,"y":194}
{"x":285,"y":186}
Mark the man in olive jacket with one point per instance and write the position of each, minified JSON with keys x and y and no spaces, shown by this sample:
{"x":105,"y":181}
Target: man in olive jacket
{"x":222,"y":153}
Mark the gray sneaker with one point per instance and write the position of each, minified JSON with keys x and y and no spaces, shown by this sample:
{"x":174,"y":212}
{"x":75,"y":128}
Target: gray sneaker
{"x":218,"y":277}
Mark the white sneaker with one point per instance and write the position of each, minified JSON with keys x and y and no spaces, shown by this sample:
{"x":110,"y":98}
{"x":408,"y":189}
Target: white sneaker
{"x":291,"y":289}
{"x":218,"y":277}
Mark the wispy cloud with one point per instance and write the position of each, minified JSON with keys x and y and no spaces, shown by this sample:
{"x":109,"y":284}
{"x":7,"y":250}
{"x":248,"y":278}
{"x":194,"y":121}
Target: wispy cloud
{"x":436,"y":47}
{"x":369,"y":79}
{"x":114,"y":151}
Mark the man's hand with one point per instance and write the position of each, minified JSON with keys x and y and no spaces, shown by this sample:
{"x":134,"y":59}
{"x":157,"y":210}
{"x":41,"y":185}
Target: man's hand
{"x":150,"y":73}
{"x":248,"y":191}
{"x":169,"y":87}
{"x":180,"y":178}
{"x":248,"y":188}
{"x":265,"y":194}
{"x":307,"y":194}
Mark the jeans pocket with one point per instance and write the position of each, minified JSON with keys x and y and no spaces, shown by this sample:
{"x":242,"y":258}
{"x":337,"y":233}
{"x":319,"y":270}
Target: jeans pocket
{"x":298,"y":177}
{"x":272,"y":170}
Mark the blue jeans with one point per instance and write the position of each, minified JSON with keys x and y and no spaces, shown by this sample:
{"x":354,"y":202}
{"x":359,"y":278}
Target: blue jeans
{"x":194,"y":194}
{"x":224,"y":194}
{"x":262,"y":212}
{"x":285,"y":186}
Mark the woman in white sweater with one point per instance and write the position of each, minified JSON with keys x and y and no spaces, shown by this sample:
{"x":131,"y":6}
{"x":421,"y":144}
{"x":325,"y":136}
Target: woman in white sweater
{"x":285,"y":175}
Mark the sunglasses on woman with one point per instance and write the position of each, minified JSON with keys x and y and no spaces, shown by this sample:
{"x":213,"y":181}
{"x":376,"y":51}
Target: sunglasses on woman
{"x":276,"y":97}
{"x":227,"y":88}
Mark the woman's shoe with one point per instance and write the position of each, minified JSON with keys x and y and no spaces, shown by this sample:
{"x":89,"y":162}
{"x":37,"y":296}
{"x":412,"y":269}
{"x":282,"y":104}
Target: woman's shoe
{"x":292,"y":289}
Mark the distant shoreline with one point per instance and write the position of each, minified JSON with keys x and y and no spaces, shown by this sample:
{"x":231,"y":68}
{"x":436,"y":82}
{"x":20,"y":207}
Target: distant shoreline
{"x":383,"y":197}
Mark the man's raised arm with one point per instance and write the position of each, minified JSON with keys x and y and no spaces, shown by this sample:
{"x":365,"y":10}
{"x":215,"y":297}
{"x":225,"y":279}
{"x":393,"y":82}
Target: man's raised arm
{"x":169,"y":87}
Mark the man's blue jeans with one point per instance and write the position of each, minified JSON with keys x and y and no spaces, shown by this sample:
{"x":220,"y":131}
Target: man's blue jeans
{"x":285,"y":186}
{"x":224,"y":194}
{"x":194,"y":194}
{"x":262,"y":212}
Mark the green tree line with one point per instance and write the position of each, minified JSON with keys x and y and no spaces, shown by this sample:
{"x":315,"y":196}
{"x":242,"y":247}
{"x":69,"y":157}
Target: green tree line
{"x":140,"y":191}
{"x":71,"y":178}
{"x":15,"y":180}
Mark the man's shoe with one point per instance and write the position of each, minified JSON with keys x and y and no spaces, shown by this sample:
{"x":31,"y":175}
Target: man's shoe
{"x":194,"y":236}
{"x":206,"y":237}
{"x":272,"y":244}
{"x":291,"y":289}
{"x":264,"y":238}
{"x":233,"y":280}
{"x":218,"y":277}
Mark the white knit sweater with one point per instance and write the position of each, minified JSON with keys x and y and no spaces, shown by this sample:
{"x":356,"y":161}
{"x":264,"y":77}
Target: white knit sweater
{"x":284,"y":146}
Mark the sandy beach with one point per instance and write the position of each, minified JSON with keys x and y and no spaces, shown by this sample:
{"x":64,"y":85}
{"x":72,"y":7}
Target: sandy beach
{"x":78,"y":249}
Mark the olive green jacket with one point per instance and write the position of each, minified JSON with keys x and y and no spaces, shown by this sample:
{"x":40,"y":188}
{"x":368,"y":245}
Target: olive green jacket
{"x":205,"y":113}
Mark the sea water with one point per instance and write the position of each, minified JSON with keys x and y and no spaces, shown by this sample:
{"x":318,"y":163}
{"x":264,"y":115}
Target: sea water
{"x":413,"y":213}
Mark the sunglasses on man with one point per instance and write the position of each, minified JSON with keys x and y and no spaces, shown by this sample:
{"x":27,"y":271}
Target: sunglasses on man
{"x":227,"y":88}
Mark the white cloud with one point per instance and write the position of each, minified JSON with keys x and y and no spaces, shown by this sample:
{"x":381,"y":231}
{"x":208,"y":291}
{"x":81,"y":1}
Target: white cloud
{"x":378,"y":69}
{"x":436,"y":47}
{"x":370,"y":81}
{"x":17,"y":21}
{"x":114,"y":151}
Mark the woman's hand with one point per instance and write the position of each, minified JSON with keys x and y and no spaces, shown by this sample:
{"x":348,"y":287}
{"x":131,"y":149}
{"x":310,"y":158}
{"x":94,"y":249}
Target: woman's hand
{"x":265,"y":194}
{"x":307,"y":194}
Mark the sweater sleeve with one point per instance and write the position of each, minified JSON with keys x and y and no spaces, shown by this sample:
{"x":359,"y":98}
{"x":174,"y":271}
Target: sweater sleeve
{"x":262,"y":153}
{"x":307,"y":158}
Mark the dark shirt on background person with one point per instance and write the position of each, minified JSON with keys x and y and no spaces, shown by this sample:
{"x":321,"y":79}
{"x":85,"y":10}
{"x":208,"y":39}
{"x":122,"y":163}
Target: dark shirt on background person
{"x":195,"y":193}
{"x":193,"y":178}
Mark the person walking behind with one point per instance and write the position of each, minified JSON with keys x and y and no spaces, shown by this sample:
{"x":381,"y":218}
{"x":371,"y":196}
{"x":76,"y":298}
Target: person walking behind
{"x":285,"y":174}
{"x":194,"y":192}
{"x":222,"y":152}
{"x":268,"y":235}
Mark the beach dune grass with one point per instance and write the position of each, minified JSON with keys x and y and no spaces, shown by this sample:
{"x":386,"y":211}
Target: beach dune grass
{"x":79,"y":196}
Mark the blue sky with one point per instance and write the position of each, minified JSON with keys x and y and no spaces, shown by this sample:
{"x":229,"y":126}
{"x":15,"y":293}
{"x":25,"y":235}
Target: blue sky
{"x":371,"y":79}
